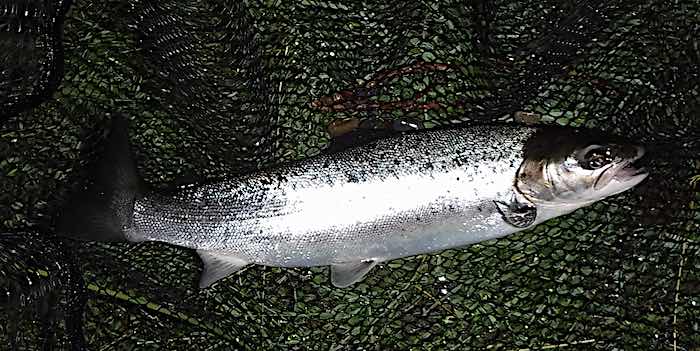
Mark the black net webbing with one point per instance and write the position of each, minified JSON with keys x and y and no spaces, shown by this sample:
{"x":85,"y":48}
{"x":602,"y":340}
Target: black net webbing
{"x":223,"y":87}
{"x":31,"y":52}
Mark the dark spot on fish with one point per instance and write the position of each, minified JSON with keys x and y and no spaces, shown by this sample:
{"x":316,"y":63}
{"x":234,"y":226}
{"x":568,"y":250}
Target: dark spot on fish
{"x":265,"y":181}
{"x":457,"y":178}
{"x":479,"y":208}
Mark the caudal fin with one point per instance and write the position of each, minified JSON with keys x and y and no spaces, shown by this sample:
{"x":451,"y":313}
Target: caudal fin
{"x":102,"y":209}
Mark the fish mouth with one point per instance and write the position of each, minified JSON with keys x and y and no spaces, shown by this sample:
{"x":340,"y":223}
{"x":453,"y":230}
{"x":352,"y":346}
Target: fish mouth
{"x":626,"y":173}
{"x":630,"y":170}
{"x":629,"y":174}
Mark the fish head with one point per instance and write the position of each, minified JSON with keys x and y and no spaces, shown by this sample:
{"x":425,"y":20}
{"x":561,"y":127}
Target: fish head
{"x":575,"y":167}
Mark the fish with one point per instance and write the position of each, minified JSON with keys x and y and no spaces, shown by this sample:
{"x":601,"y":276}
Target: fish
{"x":412,"y":193}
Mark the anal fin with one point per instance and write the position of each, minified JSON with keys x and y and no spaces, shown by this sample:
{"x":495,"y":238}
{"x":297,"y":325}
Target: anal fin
{"x":218,"y":265}
{"x":348,"y":273}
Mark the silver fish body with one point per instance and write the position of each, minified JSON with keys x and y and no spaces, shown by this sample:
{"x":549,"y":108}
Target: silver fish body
{"x":393,"y":198}
{"x":408,"y":194}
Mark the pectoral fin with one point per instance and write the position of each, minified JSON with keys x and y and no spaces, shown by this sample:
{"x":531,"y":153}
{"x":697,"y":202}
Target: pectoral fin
{"x":346,"y":274}
{"x":518,"y":212}
{"x":217,"y":266}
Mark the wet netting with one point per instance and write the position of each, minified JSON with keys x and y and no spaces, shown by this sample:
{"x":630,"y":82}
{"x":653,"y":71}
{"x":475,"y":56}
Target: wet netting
{"x":222,"y":87}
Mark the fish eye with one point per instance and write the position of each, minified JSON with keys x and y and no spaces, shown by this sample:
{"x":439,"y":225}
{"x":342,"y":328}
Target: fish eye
{"x":597,"y":158}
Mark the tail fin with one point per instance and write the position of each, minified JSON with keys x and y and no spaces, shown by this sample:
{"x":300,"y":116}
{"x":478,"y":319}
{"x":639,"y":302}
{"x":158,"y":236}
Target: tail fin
{"x":102,"y":209}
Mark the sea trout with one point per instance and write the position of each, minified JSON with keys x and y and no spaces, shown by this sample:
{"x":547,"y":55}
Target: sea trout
{"x":412,"y":193}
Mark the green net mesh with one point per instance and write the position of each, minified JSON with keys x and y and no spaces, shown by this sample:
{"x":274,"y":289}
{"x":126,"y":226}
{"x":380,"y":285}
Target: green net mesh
{"x":223,"y":87}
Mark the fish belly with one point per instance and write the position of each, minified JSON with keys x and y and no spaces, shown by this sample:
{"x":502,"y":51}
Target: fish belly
{"x":390,"y":238}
